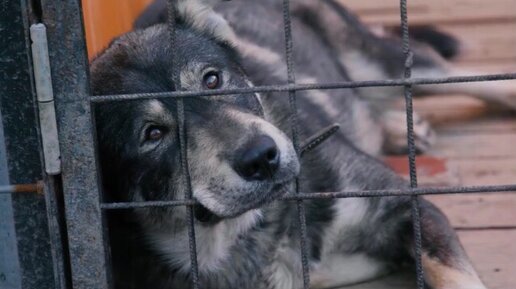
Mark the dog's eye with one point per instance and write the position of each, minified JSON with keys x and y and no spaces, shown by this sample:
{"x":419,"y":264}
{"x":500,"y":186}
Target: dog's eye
{"x":211,"y":80}
{"x":154,"y":133}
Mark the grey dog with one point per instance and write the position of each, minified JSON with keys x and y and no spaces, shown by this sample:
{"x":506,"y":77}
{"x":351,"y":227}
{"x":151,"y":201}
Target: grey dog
{"x":241,"y":159}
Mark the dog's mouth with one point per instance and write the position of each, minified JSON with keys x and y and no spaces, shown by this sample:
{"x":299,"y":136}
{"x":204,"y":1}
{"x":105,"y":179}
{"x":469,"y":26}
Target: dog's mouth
{"x":206,"y":216}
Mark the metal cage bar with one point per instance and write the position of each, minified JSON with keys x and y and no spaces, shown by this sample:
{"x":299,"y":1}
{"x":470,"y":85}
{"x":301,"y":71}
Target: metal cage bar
{"x":181,"y":119}
{"x":334,"y":195}
{"x":309,"y":86}
{"x":87,"y":244}
{"x":409,"y":110}
{"x":291,"y":79}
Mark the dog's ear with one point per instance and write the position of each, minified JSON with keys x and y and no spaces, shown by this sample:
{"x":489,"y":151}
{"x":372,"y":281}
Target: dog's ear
{"x":197,"y":13}
{"x":200,"y":15}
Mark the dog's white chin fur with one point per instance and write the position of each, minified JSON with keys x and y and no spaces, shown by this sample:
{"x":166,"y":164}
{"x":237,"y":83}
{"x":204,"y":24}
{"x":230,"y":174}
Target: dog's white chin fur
{"x":208,"y":200}
{"x":213,"y":242}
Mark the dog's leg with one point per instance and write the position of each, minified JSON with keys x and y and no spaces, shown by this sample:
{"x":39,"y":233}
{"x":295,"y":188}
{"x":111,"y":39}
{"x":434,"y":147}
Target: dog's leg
{"x":369,"y":57}
{"x":444,"y":261}
{"x":362,"y":54}
{"x":445,"y":264}
{"x":394,"y":123}
{"x":381,"y":228}
{"x":493,"y":92}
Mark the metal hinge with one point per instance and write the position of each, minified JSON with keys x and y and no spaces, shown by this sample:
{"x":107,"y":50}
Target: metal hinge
{"x":45,"y":98}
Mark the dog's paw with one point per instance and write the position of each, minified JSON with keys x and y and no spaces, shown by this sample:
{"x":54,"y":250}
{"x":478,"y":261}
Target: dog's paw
{"x":395,"y":128}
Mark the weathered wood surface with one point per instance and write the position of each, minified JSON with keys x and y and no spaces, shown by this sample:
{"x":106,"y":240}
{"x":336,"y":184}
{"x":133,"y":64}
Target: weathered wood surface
{"x":492,"y":251}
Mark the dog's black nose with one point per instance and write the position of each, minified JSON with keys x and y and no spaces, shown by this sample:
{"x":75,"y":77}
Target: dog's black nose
{"x":258,"y":159}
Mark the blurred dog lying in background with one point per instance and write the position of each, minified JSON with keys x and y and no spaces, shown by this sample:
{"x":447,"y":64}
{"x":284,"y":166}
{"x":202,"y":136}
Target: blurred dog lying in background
{"x":240,"y":159}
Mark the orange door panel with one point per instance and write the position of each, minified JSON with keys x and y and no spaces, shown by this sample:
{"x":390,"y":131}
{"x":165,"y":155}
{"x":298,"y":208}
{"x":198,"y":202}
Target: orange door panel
{"x":106,"y":19}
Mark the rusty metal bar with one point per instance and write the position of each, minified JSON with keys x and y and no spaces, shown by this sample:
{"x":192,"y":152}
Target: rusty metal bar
{"x":22,"y":188}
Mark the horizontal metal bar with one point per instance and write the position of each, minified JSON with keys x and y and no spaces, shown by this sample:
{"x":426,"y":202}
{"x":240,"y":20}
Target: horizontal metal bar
{"x":311,"y":86}
{"x":22,"y":188}
{"x":127,"y":205}
{"x":484,"y":228}
{"x":332,"y":195}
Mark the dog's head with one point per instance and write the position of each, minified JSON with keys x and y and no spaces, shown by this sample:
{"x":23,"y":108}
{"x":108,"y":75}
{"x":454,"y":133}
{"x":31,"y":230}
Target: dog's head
{"x":237,"y":159}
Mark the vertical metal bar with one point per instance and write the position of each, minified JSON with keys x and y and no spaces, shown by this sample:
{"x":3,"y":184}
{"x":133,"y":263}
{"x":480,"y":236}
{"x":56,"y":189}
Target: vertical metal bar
{"x":55,"y":224}
{"x":194,"y":270}
{"x":67,"y":51}
{"x":295,"y":140}
{"x":416,"y":216}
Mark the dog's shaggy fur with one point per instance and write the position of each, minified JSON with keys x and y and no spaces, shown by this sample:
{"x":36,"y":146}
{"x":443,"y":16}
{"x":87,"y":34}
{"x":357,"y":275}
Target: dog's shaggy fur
{"x":244,"y":239}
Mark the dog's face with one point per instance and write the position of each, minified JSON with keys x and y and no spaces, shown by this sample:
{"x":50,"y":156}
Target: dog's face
{"x":237,"y":160}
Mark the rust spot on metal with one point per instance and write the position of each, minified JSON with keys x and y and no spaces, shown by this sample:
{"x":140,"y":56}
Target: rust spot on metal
{"x":29,"y":188}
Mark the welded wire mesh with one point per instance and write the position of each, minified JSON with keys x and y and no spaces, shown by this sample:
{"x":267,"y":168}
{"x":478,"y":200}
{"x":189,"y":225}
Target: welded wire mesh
{"x":407,"y":82}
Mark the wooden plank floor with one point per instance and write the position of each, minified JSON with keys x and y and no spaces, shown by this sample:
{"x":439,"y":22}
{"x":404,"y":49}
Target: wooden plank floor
{"x":476,"y":144}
